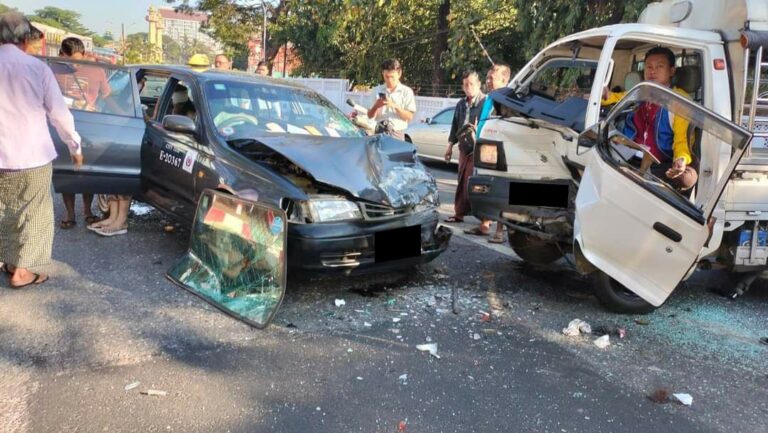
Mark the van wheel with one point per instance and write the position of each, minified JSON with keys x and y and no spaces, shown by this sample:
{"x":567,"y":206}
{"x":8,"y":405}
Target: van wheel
{"x":533,"y":249}
{"x":617,"y":298}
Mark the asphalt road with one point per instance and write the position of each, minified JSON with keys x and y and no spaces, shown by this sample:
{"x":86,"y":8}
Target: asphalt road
{"x":109,"y":318}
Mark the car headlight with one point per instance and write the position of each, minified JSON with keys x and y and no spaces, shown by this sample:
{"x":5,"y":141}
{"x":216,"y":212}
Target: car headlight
{"x":333,"y":209}
{"x":489,"y":154}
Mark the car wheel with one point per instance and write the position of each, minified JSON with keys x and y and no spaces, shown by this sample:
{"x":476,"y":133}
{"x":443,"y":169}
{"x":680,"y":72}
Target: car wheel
{"x":617,"y":298}
{"x":533,"y":249}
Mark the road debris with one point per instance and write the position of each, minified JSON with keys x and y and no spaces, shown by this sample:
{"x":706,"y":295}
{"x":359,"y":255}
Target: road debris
{"x":395,"y":319}
{"x":403,"y":378}
{"x":577,"y":327}
{"x":340,"y":302}
{"x":610,"y":330}
{"x":484,"y":316}
{"x":155,"y":392}
{"x":683,"y":398}
{"x":642,"y":321}
{"x":131,"y":386}
{"x":764,"y":340}
{"x":475,"y":336}
{"x":429,"y":347}
{"x":603,"y":342}
{"x":660,"y":395}
{"x":169,"y":228}
{"x":367,"y":325}
{"x":401,"y":426}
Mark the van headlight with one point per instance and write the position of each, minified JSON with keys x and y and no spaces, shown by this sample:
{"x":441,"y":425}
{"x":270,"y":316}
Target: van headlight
{"x":489,"y":154}
{"x":333,"y":209}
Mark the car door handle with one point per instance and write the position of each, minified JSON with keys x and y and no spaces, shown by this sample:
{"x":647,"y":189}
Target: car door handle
{"x":667,"y":232}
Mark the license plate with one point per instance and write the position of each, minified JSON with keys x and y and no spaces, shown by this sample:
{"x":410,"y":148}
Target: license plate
{"x":397,"y":244}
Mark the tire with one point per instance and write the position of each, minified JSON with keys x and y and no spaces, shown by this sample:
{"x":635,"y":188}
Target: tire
{"x":533,"y":249}
{"x":617,"y":298}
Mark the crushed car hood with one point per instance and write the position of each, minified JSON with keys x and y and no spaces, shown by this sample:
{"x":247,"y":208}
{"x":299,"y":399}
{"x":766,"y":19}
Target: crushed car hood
{"x":379,"y":169}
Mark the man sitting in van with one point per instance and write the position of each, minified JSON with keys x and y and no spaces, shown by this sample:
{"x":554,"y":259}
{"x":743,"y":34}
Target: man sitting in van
{"x":665,"y":134}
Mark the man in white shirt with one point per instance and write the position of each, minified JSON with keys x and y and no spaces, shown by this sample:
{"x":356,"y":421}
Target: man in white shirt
{"x":30,"y":98}
{"x":395,"y":103}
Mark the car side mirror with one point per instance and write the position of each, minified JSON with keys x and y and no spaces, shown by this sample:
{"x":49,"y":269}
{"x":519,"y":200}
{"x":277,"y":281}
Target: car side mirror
{"x":428,"y":120}
{"x":588,"y":138}
{"x":178,"y":123}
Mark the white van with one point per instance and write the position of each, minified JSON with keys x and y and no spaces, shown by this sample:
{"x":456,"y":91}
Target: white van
{"x":638,"y":236}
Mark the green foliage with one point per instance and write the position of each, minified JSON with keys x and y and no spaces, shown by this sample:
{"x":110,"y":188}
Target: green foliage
{"x":62,"y":18}
{"x":4,"y":8}
{"x":543,"y":21}
{"x":350,"y":38}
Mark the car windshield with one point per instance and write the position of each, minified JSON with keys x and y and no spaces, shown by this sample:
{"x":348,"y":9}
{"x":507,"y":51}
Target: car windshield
{"x":242,"y":110}
{"x":563,"y":78}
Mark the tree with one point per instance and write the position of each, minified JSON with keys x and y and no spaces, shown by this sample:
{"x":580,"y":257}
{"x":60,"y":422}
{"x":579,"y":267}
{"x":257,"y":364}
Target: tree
{"x":4,"y":8}
{"x":543,"y":21}
{"x":62,"y":18}
{"x":230,"y":22}
{"x":137,"y":49}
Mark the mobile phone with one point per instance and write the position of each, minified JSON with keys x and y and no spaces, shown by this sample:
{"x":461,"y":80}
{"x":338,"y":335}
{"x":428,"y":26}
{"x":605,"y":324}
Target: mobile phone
{"x":382,"y":95}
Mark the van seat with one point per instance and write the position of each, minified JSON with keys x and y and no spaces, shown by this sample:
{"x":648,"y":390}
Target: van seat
{"x":631,"y":80}
{"x":688,"y":78}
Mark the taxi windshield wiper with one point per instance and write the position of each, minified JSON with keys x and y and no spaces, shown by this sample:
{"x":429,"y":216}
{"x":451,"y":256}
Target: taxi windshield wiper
{"x":242,"y":143}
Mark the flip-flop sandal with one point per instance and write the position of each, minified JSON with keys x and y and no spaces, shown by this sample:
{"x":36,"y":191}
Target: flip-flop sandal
{"x":496,"y":239}
{"x":92,"y":219}
{"x":67,"y":224}
{"x":4,"y":269}
{"x":454,"y":219}
{"x":110,"y":233}
{"x":39,"y":279}
{"x":477,"y":231}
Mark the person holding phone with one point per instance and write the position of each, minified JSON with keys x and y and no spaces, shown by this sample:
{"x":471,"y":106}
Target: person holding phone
{"x":395,"y":104}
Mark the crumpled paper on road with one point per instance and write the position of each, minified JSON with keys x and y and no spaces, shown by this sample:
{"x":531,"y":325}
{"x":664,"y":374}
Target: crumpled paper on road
{"x":576,"y":328}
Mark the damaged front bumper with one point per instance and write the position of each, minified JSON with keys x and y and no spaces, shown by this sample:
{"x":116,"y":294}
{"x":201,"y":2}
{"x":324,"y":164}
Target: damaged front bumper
{"x":362,"y":246}
{"x":544,"y":205}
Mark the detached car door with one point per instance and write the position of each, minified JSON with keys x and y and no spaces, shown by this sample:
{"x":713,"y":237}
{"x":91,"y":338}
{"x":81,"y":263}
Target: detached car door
{"x":104,"y":101}
{"x":632,"y":225}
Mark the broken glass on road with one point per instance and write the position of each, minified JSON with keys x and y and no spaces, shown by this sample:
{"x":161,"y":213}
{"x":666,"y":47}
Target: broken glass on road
{"x":236,"y":258}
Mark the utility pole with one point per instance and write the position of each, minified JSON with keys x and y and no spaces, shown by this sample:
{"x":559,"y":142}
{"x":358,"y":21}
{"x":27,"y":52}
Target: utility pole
{"x":264,"y":31}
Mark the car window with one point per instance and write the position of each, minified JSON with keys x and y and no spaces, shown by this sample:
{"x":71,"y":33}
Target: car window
{"x":563,"y":78}
{"x":240,"y":109}
{"x":182,"y":101}
{"x":443,"y":118}
{"x":95,"y":87}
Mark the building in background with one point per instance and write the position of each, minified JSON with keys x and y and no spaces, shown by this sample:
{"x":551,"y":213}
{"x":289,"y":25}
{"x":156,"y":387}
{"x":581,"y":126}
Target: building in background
{"x":185,"y":28}
{"x":155,"y":35}
{"x":53,"y":36}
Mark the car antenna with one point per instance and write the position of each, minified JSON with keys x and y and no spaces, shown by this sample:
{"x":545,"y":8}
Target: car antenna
{"x":472,"y":28}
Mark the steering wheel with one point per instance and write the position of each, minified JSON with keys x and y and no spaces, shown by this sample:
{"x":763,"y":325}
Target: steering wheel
{"x":238,"y":119}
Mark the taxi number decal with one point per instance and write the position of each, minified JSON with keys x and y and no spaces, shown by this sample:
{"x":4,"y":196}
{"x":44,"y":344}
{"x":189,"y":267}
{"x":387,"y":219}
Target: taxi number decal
{"x":170,"y":159}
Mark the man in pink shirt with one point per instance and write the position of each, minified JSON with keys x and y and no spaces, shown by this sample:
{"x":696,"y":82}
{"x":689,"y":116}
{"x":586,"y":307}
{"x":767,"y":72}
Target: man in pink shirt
{"x":30,"y":99}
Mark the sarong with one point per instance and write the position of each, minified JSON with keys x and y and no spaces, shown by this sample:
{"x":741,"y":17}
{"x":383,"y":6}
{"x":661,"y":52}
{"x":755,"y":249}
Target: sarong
{"x":461,"y":205}
{"x":26,"y":217}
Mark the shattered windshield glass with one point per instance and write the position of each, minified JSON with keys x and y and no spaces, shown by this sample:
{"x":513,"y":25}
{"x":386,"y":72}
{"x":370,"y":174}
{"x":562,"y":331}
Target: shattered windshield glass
{"x":244,"y":109}
{"x":645,"y":149}
{"x":236,"y":258}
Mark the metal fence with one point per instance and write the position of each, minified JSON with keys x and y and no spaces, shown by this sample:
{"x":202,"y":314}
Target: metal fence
{"x":335,"y":90}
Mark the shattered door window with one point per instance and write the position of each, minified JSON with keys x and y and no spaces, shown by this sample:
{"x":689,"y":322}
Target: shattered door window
{"x":236,"y":259}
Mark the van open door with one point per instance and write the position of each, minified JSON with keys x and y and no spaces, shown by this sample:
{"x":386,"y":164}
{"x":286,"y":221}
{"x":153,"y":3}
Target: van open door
{"x":634,"y":226}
